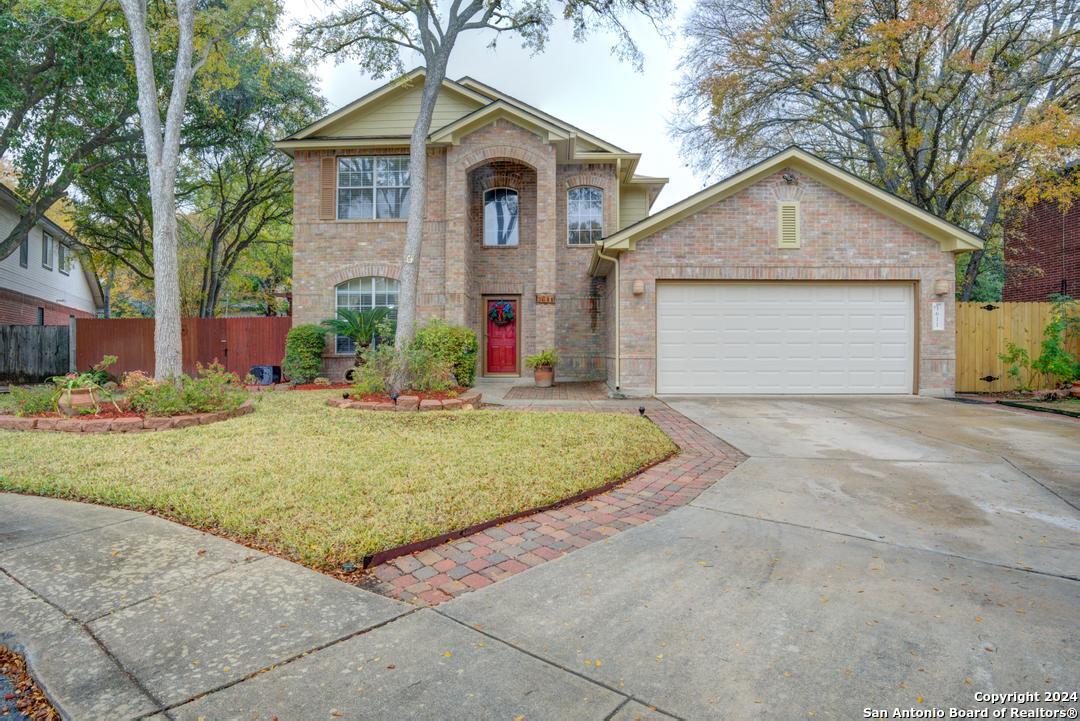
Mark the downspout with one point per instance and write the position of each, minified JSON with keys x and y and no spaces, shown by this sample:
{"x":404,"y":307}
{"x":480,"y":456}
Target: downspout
{"x":618,"y":331}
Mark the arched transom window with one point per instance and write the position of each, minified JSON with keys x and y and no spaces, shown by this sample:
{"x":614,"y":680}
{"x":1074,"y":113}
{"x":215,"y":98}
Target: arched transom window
{"x":584,"y":215}
{"x":500,"y":217}
{"x":364,"y":294}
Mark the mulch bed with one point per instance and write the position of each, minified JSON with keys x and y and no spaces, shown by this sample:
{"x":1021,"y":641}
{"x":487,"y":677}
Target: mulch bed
{"x":106,"y":413}
{"x":22,"y":697}
{"x":317,"y":387}
{"x":111,"y":421}
{"x":384,"y":398}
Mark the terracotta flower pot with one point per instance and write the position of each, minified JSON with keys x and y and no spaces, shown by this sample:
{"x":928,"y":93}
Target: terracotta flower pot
{"x":74,"y":400}
{"x":544,"y":376}
{"x":1075,"y":390}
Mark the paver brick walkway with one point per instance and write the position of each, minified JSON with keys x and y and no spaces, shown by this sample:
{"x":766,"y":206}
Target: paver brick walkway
{"x":438,"y":574}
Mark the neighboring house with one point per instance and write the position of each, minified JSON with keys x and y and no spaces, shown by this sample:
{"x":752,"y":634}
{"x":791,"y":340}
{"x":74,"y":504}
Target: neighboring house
{"x":43,"y":282}
{"x":789,"y":277}
{"x":1042,"y":250}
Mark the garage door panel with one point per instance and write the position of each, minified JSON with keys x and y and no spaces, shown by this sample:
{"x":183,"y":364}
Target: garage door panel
{"x":785,"y":337}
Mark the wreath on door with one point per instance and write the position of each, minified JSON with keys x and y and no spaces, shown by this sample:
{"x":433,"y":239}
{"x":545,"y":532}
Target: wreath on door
{"x":501,"y":313}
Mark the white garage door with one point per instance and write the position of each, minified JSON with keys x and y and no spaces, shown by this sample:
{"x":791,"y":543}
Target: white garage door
{"x":715,"y":337}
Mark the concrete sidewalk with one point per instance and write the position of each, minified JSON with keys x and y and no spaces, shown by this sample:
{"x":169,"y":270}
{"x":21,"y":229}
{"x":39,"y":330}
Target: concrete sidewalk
{"x":123,"y":616}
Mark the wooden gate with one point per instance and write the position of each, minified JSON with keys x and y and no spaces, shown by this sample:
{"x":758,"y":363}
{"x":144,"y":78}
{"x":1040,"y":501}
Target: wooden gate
{"x":33,"y":353}
{"x":983,"y":332}
{"x":237,"y":343}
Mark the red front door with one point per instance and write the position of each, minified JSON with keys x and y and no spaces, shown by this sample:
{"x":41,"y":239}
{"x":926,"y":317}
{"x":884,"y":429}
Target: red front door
{"x":502,"y":353}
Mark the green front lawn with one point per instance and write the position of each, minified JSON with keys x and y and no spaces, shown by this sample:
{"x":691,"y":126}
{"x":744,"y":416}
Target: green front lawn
{"x":324,"y":485}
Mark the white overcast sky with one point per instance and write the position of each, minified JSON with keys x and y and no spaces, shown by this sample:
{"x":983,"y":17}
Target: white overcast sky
{"x":581,"y":83}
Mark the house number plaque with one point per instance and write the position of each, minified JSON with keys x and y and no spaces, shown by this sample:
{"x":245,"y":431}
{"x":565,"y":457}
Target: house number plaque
{"x":545,"y":299}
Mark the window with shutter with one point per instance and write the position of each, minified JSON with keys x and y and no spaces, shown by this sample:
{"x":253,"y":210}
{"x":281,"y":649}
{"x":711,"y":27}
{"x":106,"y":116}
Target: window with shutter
{"x":788,"y":232}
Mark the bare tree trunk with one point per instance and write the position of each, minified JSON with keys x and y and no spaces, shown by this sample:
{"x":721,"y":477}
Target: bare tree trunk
{"x":162,"y":143}
{"x":414,"y":229}
{"x":971,"y":273}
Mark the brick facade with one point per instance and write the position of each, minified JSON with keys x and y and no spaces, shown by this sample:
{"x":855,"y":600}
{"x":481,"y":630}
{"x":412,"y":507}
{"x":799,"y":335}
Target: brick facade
{"x":21,"y":309}
{"x":735,"y":239}
{"x":1042,"y":254}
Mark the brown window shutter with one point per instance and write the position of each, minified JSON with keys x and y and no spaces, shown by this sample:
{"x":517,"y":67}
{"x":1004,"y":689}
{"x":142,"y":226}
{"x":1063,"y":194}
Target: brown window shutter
{"x":328,"y":189}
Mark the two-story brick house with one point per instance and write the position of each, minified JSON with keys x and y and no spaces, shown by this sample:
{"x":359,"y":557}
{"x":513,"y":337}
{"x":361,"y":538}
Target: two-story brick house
{"x":791,"y":276}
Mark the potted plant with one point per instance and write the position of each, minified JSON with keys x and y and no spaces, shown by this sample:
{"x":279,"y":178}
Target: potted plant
{"x":81,"y":392}
{"x":543,"y":365}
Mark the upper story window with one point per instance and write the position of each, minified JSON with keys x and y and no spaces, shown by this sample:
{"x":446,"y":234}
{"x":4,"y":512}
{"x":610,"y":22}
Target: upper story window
{"x":584,"y":215}
{"x":500,"y":217}
{"x":365,"y":294}
{"x":373,"y":186}
{"x":47,"y":250}
{"x":63,"y":259}
{"x":24,"y":251}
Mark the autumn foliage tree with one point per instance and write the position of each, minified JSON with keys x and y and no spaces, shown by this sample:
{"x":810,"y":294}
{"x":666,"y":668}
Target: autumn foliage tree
{"x":951,"y":104}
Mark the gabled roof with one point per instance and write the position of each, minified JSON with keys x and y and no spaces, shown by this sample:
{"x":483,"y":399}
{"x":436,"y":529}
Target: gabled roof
{"x":474,"y":104}
{"x":951,"y":237}
{"x":499,"y":109}
{"x":495,"y":94}
{"x":413,"y":78}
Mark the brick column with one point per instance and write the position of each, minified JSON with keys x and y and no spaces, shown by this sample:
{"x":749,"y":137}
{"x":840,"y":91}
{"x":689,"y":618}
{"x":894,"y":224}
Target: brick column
{"x":546,"y":238}
{"x":456,"y":263}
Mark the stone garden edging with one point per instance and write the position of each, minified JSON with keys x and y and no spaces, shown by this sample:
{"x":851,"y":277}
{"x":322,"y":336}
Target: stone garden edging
{"x":122,"y":425}
{"x":468,"y":400}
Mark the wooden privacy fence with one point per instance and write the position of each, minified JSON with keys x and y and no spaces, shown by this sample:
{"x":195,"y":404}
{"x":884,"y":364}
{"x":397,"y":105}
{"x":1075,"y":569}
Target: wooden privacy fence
{"x":33,"y":353}
{"x":983,"y":332}
{"x":238,"y":343}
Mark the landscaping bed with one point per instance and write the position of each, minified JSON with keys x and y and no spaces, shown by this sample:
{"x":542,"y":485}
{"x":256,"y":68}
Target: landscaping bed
{"x":326,"y":488}
{"x":462,"y":398}
{"x":110,"y":420}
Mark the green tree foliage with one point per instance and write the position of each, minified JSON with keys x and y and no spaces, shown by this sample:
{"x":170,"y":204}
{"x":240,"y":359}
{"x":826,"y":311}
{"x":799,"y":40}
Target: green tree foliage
{"x":67,"y":101}
{"x":234,"y":190}
{"x":953,"y":105}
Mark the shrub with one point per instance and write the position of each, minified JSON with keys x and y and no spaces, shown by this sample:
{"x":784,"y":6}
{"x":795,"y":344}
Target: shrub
{"x":376,"y":371}
{"x":213,"y":389}
{"x":548,"y":358}
{"x":423,"y":371}
{"x":303,"y":353}
{"x":454,"y":344}
{"x":34,"y":400}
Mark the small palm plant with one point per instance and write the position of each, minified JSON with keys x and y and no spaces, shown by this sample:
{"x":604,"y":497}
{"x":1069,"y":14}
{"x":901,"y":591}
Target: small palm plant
{"x":362,"y":326}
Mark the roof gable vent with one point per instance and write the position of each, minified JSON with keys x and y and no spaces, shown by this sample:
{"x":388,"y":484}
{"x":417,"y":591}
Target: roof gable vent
{"x":788,"y":224}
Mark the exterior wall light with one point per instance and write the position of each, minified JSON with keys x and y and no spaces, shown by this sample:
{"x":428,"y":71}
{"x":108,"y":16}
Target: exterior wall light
{"x":941,"y":286}
{"x":639,"y":287}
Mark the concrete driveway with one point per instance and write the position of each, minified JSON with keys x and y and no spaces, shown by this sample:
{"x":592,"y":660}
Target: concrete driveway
{"x":871,"y":553}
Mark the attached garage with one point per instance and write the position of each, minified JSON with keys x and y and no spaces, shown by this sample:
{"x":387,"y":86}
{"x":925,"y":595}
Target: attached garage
{"x":779,"y":337}
{"x":789,"y":277}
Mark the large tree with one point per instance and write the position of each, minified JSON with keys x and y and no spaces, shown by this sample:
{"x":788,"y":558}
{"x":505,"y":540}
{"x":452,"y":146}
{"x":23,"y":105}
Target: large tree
{"x":948,"y":103}
{"x":66,"y":101}
{"x":233,"y":190}
{"x":377,"y":33}
{"x":162,"y":108}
